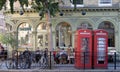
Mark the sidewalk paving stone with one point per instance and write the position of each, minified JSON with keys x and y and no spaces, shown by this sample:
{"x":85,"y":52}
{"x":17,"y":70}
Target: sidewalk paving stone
{"x":58,"y":70}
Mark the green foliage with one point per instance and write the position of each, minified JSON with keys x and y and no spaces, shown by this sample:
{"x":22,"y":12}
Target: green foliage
{"x":42,"y":6}
{"x":22,"y":3}
{"x":2,"y":3}
{"x":12,"y":6}
{"x":8,"y":39}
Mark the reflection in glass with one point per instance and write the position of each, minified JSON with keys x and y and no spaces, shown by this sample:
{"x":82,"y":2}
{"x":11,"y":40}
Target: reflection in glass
{"x":101,"y":49}
{"x":101,"y":45}
{"x":101,"y":42}
{"x":42,"y":35}
{"x":101,"y":38}
{"x":85,"y":50}
{"x":63,"y":35}
{"x":24,"y":35}
{"x":40,"y":40}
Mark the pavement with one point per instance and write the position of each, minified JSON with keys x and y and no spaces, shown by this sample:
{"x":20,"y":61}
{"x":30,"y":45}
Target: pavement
{"x":57,"y":70}
{"x":60,"y":68}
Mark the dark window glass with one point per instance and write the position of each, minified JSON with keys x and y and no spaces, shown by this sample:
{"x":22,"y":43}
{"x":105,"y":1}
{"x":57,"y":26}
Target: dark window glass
{"x":78,"y":1}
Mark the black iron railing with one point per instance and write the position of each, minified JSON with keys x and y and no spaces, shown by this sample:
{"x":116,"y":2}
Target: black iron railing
{"x":56,"y":60}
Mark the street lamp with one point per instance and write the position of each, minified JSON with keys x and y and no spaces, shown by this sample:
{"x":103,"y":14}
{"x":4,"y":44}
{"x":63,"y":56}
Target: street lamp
{"x":83,"y":12}
{"x":21,"y":12}
{"x":61,"y":13}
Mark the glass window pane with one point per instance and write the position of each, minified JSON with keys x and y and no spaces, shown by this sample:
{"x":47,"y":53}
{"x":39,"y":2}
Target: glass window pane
{"x":63,"y":35}
{"x":78,"y":1}
{"x":105,"y":1}
{"x":25,"y":36}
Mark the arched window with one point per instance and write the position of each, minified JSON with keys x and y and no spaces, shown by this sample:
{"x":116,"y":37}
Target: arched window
{"x":42,"y":36}
{"x":25,"y":36}
{"x":63,"y":35}
{"x":108,"y":26}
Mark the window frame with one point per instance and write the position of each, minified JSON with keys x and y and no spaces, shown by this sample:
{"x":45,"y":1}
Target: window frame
{"x":78,"y":5}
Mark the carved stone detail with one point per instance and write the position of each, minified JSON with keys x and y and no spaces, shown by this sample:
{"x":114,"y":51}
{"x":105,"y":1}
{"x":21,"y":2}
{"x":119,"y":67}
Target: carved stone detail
{"x":14,"y":21}
{"x":119,"y":16}
{"x":115,"y":18}
{"x":95,"y":18}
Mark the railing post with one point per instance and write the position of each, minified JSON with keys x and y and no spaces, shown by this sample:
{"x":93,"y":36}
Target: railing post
{"x":17,"y":60}
{"x":50,"y":61}
{"x":84,"y":60}
{"x":93,"y":60}
{"x":114,"y":60}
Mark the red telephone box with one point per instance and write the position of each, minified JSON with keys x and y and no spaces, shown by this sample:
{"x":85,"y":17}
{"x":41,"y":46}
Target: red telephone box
{"x":100,"y":48}
{"x":83,"y":48}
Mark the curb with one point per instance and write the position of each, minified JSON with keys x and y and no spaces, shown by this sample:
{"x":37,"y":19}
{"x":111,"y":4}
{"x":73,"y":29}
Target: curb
{"x":56,"y":70}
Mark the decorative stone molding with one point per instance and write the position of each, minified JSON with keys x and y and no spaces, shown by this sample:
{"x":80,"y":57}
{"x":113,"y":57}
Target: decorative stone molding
{"x":34,"y":32}
{"x":68,"y":10}
{"x":95,"y":19}
{"x":115,"y":18}
{"x":17,"y":11}
{"x":14,"y":21}
{"x":95,"y":9}
{"x":119,"y":15}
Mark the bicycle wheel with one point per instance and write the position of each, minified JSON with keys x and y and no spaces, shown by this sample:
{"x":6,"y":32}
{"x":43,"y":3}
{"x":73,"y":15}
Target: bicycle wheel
{"x":1,"y":62}
{"x":42,"y":62}
{"x":10,"y":64}
{"x":22,"y":63}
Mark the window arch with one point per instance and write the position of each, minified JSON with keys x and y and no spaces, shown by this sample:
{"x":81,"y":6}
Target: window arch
{"x":42,"y":36}
{"x":25,"y":35}
{"x":109,"y":27}
{"x":63,"y":35}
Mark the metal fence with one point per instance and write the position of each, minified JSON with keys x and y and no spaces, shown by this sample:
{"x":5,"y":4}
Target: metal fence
{"x":53,"y":59}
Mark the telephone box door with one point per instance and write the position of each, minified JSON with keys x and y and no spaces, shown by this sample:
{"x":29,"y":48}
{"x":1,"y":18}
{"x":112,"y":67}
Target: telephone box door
{"x":100,"y":48}
{"x":83,"y":48}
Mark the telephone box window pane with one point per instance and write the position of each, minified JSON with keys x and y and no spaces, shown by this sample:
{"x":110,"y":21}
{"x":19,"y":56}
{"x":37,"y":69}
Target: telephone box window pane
{"x":101,"y":50}
{"x":85,"y":50}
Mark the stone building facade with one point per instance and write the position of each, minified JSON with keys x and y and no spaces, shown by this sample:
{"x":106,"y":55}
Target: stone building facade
{"x":32,"y":32}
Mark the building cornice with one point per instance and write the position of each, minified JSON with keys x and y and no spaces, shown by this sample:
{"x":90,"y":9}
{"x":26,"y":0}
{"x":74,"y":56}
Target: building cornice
{"x":94,"y":9}
{"x":69,"y":9}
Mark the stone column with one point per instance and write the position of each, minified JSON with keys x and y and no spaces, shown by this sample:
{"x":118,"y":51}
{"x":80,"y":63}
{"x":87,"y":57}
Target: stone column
{"x":9,"y":48}
{"x":54,"y":39}
{"x":117,"y":32}
{"x":15,"y":34}
{"x":73,"y":38}
{"x":34,"y":35}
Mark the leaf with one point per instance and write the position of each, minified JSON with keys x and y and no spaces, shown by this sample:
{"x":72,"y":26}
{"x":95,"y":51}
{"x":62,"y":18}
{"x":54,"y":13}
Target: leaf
{"x":2,"y":3}
{"x":22,"y":3}
{"x":8,"y":39}
{"x":11,"y":6}
{"x":44,"y":5}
